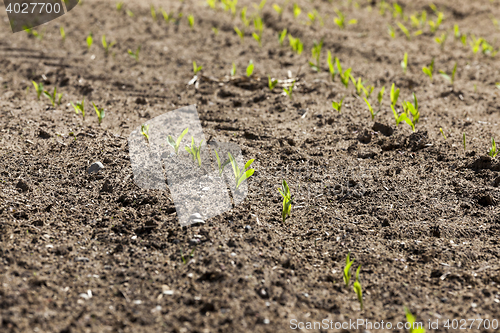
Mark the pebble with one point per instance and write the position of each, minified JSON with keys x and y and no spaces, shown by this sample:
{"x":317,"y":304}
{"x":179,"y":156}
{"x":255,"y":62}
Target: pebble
{"x":82,"y":259}
{"x":194,"y":241}
{"x":248,"y":228}
{"x":197,"y":221}
{"x":95,"y":167}
{"x":107,"y":187}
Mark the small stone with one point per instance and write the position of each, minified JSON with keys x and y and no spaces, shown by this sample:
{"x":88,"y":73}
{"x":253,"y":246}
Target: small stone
{"x":206,"y":189}
{"x":366,"y":154}
{"x":23,"y":185}
{"x":95,"y":167}
{"x":248,"y":228}
{"x":44,"y":134}
{"x":195,"y":221}
{"x":196,"y":216}
{"x":107,"y":187}
{"x":82,"y":259}
{"x":386,"y":222}
{"x":194,"y":241}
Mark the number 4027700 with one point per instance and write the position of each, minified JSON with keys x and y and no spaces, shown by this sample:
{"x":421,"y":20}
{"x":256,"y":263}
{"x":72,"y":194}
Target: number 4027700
{"x":463,"y":324}
{"x":33,"y":8}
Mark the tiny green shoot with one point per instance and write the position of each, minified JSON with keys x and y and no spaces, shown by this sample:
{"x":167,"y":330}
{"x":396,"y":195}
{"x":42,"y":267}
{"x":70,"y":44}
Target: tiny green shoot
{"x":347,"y":269}
{"x":233,"y":70}
{"x":344,"y":75}
{"x":394,"y":94}
{"x":79,"y":108}
{"x":380,"y":96}
{"x":296,"y":44}
{"x":54,"y":97}
{"x":145,"y":131}
{"x":107,"y":46}
{"x":316,"y":54}
{"x":135,"y":54}
{"x":331,"y":66}
{"x":338,"y":106}
{"x":90,"y":41}
{"x":271,"y":83}
{"x":240,"y":175}
{"x":442,"y":133}
{"x":282,"y":36}
{"x":392,"y":32}
{"x":99,"y":112}
{"x":289,"y":90}
{"x":287,"y":200}
{"x":450,"y":79}
{"x":194,"y":151}
{"x":240,"y":33}
{"x":493,"y":152}
{"x":296,"y":10}
{"x":196,"y":68}
{"x":278,"y":10}
{"x":38,"y":89}
{"x":429,"y":71}
{"x":191,"y":21}
{"x":464,"y":141}
{"x":414,"y":327}
{"x":404,"y":63}
{"x":250,"y":68}
{"x":358,"y":289}
{"x":153,"y":13}
{"x":176,"y":143}
{"x":220,"y":165}
{"x":371,"y":109}
{"x":63,"y":34}
{"x":404,"y":30}
{"x":441,"y":40}
{"x":119,"y":6}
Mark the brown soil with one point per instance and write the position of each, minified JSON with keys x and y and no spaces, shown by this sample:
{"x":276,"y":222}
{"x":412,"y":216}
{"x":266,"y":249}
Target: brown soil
{"x":417,"y":212}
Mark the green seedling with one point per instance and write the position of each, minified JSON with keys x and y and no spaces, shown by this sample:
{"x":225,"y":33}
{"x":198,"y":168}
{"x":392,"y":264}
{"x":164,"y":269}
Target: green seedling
{"x":166,"y":17}
{"x":212,"y":3}
{"x":130,"y":13}
{"x":33,"y":32}
{"x":368,"y":91}
{"x":240,"y":175}
{"x":392,"y":32}
{"x":423,"y":18}
{"x":99,"y":112}
{"x":260,"y":6}
{"x":296,"y":10}
{"x":243,"y":16}
{"x":287,"y":200}
{"x":215,"y":31}
{"x":371,"y":109}
{"x":313,"y":16}
{"x":135,"y":54}
{"x":331,"y":65}
{"x":63,"y":34}
{"x":449,"y":78}
{"x":191,"y":255}
{"x":415,"y":327}
{"x":394,"y":94}
{"x":441,"y":40}
{"x":380,"y":97}
{"x":271,"y":83}
{"x":250,"y":68}
{"x":398,"y":10}
{"x":257,"y":37}
{"x":442,"y":133}
{"x":456,"y":31}
{"x":340,"y":19}
{"x":493,"y":152}
{"x":282,"y":36}
{"x":409,"y":110}
{"x":240,"y":33}
{"x":404,"y":30}
{"x":258,"y":24}
{"x":54,"y":97}
{"x":107,"y":46}
{"x":191,"y":21}
{"x":38,"y":89}
{"x":90,"y":41}
{"x":316,"y":54}
{"x":338,"y":106}
{"x":344,"y":75}
{"x":219,"y":164}
{"x":415,"y":22}
{"x":435,"y":25}
{"x":289,"y":90}
{"x":357,"y":288}
{"x":404,"y":63}
{"x":278,"y":10}
{"x":296,"y":44}
{"x":119,"y":6}
{"x":347,"y":269}
{"x":153,"y":13}
{"x":79,"y":108}
{"x":176,"y":143}
{"x":359,"y":86}
{"x":145,"y":131}
{"x":196,"y":69}
{"x":194,"y":151}
{"x":383,"y":7}
{"x":464,"y":141}
{"x":233,"y":70}
{"x":429,"y":71}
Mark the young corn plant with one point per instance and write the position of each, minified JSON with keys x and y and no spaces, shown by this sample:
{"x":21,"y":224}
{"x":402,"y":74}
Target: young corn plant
{"x":394,"y":94}
{"x":287,"y":200}
{"x":357,"y":288}
{"x":464,"y":142}
{"x":153,"y":13}
{"x":240,"y":33}
{"x":441,"y":40}
{"x":296,"y":10}
{"x":54,"y":97}
{"x":435,"y":25}
{"x":282,"y":36}
{"x":90,"y":41}
{"x":194,"y":151}
{"x":79,"y":108}
{"x":316,"y":54}
{"x":107,"y":46}
{"x":404,"y":63}
{"x":176,"y":143}
{"x":493,"y":152}
{"x":233,"y":70}
{"x":119,"y":6}
{"x":99,"y":112}
{"x":449,"y":78}
{"x":196,"y":68}
{"x":331,"y":66}
{"x":271,"y":83}
{"x":359,"y":86}
{"x":442,"y":133}
{"x":129,"y":13}
{"x":145,"y":132}
{"x":240,"y":175}
{"x":250,"y":68}
{"x":344,"y":75}
{"x":38,"y":88}
{"x":63,"y":34}
{"x":243,"y":16}
{"x":371,"y":109}
{"x":338,"y":106}
{"x":429,"y":71}
{"x":414,"y":327}
{"x":391,"y":31}
{"x":410,"y":109}
{"x":347,"y":269}
{"x":278,"y":10}
{"x":404,"y":30}
{"x":380,"y":97}
{"x":220,"y":165}
{"x":135,"y":54}
{"x":260,"y":6}
{"x":191,"y":21}
{"x":296,"y":44}
{"x":259,"y":27}
{"x":289,"y":90}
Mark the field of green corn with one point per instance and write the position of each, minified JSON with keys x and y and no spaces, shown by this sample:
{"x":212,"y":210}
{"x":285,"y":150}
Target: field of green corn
{"x":370,"y":132}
